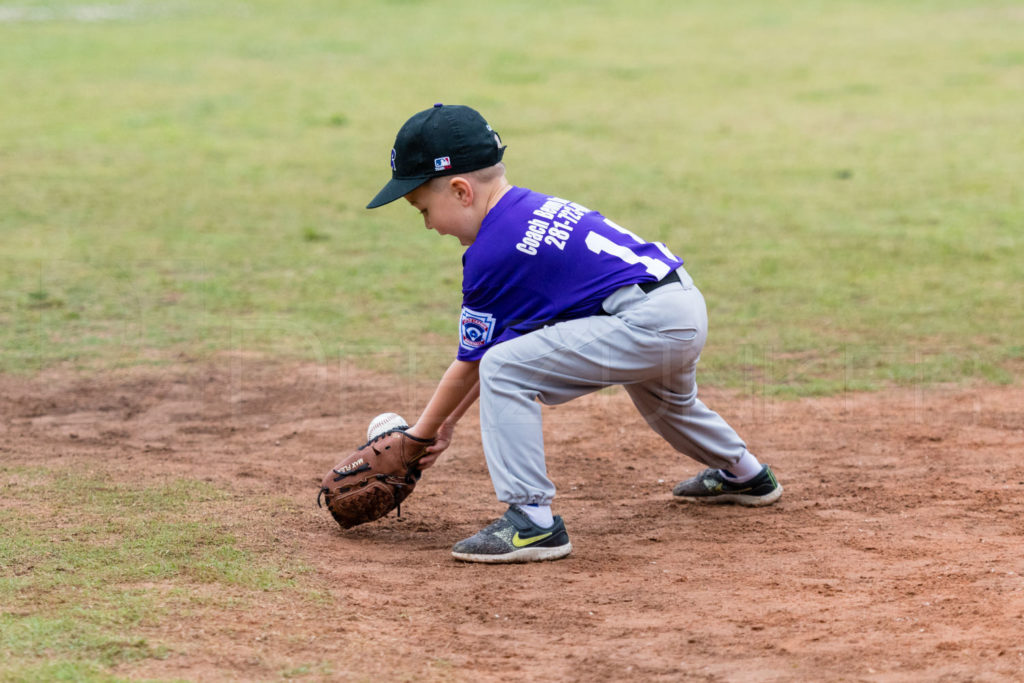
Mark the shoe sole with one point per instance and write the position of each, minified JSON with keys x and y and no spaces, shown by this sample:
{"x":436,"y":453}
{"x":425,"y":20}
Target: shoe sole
{"x":743,"y":499}
{"x":521,"y":555}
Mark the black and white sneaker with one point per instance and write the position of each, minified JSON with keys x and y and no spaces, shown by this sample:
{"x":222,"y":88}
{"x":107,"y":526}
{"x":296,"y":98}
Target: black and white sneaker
{"x":514,"y":538}
{"x":711,"y":486}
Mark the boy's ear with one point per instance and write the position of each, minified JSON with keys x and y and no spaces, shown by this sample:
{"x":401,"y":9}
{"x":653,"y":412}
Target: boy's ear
{"x":462,"y":189}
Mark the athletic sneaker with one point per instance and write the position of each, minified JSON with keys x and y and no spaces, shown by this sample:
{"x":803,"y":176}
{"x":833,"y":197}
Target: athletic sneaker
{"x":514,"y":538}
{"x":711,"y":486}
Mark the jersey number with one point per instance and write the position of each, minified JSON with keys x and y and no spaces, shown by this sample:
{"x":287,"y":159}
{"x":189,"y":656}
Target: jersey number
{"x":599,"y":244}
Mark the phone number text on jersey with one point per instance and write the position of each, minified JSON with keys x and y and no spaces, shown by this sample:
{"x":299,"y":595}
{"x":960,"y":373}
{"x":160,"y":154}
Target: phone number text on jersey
{"x":552,"y":224}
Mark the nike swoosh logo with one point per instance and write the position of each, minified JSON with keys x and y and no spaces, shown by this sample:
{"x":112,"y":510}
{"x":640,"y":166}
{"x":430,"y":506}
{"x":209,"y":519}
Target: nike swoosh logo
{"x":520,"y":542}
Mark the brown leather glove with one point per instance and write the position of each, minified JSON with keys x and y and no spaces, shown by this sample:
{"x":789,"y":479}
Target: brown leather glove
{"x":374,"y":479}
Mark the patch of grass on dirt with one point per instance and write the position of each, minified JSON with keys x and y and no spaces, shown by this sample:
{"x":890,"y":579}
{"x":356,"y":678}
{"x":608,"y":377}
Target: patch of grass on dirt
{"x":86,"y":565}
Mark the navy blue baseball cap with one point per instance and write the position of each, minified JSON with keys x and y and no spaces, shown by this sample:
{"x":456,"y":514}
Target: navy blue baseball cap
{"x":444,"y":140}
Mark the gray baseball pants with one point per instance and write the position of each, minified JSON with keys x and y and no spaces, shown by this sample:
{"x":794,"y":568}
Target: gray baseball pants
{"x":649,"y":343}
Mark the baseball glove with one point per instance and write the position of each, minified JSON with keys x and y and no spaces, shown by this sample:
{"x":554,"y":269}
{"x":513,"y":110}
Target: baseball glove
{"x":374,"y":479}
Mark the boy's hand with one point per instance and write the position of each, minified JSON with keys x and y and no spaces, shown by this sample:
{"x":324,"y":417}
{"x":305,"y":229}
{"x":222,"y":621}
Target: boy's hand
{"x":441,"y":443}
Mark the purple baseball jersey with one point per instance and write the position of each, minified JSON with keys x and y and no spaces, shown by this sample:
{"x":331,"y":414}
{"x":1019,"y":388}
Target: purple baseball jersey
{"x":538,"y":260}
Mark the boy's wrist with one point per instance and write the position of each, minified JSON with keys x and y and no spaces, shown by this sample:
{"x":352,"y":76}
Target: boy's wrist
{"x":419,"y":432}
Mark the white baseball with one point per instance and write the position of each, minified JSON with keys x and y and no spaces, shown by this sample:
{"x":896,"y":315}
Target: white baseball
{"x":383,"y":423}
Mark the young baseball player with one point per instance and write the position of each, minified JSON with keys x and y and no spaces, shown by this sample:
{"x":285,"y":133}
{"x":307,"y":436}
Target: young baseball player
{"x":558,"y":302}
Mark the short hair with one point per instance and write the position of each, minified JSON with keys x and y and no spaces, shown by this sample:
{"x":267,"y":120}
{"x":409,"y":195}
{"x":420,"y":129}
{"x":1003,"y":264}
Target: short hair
{"x":481,"y":175}
{"x":489,"y":173}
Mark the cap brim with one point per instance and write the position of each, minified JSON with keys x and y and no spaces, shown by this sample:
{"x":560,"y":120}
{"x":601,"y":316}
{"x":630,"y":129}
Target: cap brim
{"x":395,"y":189}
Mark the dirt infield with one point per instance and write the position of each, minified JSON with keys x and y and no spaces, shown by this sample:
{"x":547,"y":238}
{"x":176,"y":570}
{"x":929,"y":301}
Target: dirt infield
{"x":895,"y":554}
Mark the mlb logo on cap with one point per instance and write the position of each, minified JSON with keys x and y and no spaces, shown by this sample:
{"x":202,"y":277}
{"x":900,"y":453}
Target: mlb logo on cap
{"x":442,"y":163}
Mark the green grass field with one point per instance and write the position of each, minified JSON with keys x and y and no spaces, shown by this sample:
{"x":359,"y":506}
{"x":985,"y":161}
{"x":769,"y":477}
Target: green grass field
{"x":184,"y":178}
{"x":842,"y":178}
